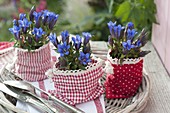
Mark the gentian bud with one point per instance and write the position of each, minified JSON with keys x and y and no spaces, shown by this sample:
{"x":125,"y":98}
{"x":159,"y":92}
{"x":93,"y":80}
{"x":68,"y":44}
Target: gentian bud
{"x":22,"y":16}
{"x":131,"y":34}
{"x":37,"y":16}
{"x":29,"y":40}
{"x":130,"y":25}
{"x":111,"y":26}
{"x":86,"y":49}
{"x":15,"y":22}
{"x":15,"y":31}
{"x":110,"y":41}
{"x":65,"y":36}
{"x":87,"y":37}
{"x":53,"y":22}
{"x":53,"y":39}
{"x":31,"y":16}
{"x":77,"y":42}
{"x":45,"y":16}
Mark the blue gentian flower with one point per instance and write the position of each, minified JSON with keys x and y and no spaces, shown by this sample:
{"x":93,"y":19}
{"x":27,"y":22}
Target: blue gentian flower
{"x":131,"y":34}
{"x":22,"y":16}
{"x":24,"y":24}
{"x":63,"y":49}
{"x":127,"y":45}
{"x":87,"y":37}
{"x":38,"y":32}
{"x":45,"y":16}
{"x":37,"y":16}
{"x":130,"y":25}
{"x":77,"y":41}
{"x":31,"y":16}
{"x":15,"y":23}
{"x":84,"y":58}
{"x":117,"y":30}
{"x":15,"y":31}
{"x":111,"y":27}
{"x":50,"y":16}
{"x":53,"y":39}
{"x":65,"y":36}
{"x":53,"y":22}
{"x":138,"y":43}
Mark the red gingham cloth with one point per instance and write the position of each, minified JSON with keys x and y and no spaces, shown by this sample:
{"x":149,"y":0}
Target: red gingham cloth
{"x":74,"y":89}
{"x":125,"y":81}
{"x":31,"y":66}
{"x":5,"y":45}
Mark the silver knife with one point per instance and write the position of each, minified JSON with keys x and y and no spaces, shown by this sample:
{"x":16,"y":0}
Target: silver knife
{"x":24,"y":98}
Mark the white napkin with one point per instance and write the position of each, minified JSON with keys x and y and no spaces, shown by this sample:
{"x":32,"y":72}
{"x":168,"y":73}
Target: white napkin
{"x":94,"y":106}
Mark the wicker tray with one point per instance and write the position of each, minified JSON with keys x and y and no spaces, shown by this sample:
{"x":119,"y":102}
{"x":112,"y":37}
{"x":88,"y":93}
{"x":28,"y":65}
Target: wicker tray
{"x":134,"y":104}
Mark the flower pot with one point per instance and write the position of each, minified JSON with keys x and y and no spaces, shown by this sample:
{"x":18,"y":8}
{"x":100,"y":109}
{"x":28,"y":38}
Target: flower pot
{"x":123,"y":80}
{"x":78,"y":86}
{"x":32,"y":65}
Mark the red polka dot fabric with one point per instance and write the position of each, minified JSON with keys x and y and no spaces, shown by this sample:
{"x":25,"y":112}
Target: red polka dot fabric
{"x":125,"y":81}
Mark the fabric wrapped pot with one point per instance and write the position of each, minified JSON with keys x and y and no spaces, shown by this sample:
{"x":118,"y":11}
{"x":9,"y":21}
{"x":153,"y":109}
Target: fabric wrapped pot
{"x":123,"y":80}
{"x":78,"y":86}
{"x":32,"y":65}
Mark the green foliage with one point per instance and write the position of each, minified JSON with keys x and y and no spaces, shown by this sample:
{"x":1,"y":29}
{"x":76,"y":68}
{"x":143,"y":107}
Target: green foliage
{"x":140,"y":12}
{"x":5,"y":35}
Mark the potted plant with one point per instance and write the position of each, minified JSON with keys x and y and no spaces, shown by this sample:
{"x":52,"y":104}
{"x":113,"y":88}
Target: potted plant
{"x":76,"y":74}
{"x":124,"y":60}
{"x":33,"y":57}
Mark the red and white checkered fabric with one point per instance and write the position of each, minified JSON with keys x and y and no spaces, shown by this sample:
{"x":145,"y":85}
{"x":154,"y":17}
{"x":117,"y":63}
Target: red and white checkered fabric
{"x":76,"y":87}
{"x":31,"y":66}
{"x":5,"y":45}
{"x":125,"y":79}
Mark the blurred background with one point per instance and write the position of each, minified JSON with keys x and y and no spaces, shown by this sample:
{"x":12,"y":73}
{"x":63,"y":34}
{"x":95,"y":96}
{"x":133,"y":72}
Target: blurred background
{"x":82,"y":15}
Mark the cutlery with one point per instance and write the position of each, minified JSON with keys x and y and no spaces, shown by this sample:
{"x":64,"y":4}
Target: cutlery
{"x":29,"y":87}
{"x":7,"y":104}
{"x":24,"y":98}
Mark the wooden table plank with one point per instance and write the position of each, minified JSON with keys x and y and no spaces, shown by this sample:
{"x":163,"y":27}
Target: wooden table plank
{"x":159,"y":98}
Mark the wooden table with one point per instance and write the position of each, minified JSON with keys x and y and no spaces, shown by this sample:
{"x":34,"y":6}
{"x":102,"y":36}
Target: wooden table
{"x":159,"y":98}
